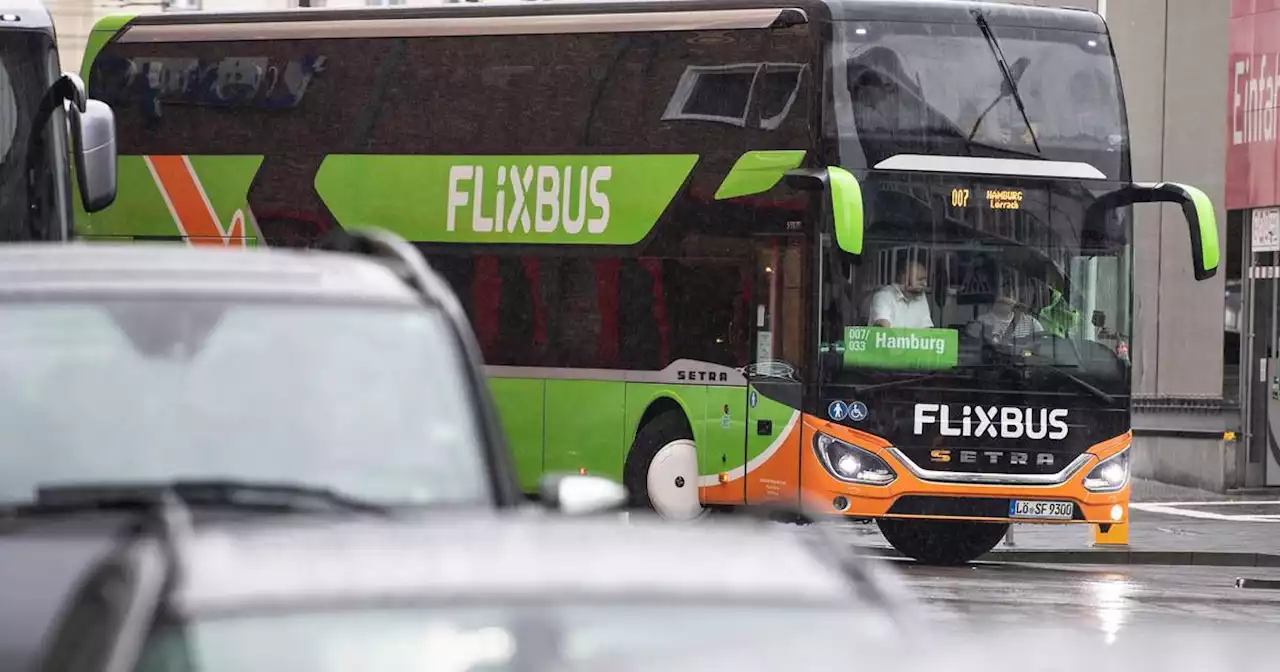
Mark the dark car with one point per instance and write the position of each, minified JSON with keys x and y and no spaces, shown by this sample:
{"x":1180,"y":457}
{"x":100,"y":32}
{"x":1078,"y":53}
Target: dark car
{"x":243,"y":382}
{"x":467,"y":591}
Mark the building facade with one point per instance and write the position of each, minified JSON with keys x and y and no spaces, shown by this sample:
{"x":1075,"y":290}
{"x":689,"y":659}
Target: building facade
{"x":1253,"y":227}
{"x":1206,"y":382}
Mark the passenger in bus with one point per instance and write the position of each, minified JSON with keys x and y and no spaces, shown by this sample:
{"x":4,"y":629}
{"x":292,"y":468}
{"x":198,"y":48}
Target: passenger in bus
{"x":903,"y":304}
{"x":1008,"y":320}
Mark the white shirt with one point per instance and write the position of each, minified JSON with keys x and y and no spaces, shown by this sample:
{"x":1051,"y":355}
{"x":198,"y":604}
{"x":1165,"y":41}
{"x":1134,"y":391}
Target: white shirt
{"x":891,"y":305}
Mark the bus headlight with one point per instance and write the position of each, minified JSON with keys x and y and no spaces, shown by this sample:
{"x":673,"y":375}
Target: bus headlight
{"x":1110,"y":475}
{"x":850,"y":463}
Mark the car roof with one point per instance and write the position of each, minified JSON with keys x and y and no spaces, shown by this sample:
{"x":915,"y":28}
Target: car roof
{"x":72,"y":270}
{"x":483,"y":555}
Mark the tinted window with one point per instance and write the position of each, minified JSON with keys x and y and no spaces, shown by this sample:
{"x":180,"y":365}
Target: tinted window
{"x":714,"y":93}
{"x":925,"y":88}
{"x":678,"y":293}
{"x":369,"y":401}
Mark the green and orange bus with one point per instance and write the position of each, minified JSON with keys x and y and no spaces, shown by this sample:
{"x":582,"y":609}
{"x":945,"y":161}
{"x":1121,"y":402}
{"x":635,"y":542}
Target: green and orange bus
{"x":868,"y":259}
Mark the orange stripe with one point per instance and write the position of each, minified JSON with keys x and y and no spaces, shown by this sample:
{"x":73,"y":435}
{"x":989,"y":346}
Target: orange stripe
{"x":236,"y":235}
{"x":194,"y":217}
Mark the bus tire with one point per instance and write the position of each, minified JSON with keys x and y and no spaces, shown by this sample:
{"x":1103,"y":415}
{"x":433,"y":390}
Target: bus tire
{"x":941,"y":542}
{"x":661,"y":471}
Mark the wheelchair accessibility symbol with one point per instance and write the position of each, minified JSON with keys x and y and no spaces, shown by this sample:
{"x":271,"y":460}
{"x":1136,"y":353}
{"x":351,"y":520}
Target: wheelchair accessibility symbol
{"x":857,"y":411}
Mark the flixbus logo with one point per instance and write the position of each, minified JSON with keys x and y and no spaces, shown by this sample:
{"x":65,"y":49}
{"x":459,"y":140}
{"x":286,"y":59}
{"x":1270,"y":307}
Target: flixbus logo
{"x":993,"y":422}
{"x":571,"y":199}
{"x":530,"y":198}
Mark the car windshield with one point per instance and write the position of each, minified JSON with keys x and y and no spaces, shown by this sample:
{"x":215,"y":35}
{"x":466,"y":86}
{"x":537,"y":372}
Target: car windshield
{"x":467,"y":637}
{"x":370,"y":401}
{"x":23,"y":80}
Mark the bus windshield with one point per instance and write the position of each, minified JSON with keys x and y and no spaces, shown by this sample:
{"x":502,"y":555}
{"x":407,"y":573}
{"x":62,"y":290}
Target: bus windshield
{"x":963,"y":274}
{"x":937,"y":88}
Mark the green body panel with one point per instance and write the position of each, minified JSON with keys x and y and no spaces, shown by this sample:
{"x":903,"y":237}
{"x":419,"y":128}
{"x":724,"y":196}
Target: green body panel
{"x":767,"y":408}
{"x":570,"y":199}
{"x":758,"y":171}
{"x":723,"y":439}
{"x":556,"y":425}
{"x":520,"y":403}
{"x":140,"y":209}
{"x":584,"y":428}
{"x":846,"y":207}
{"x":102,"y":32}
{"x":692,"y":398}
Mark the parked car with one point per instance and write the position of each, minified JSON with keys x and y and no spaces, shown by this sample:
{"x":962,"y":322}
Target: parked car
{"x":249,"y":382}
{"x":464,"y":591}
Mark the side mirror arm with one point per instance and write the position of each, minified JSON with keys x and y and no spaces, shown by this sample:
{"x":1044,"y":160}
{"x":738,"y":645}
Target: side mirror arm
{"x":1197,"y":209}
{"x":845,"y":195}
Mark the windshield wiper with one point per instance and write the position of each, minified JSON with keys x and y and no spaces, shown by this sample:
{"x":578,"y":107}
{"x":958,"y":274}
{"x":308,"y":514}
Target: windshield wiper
{"x":225,"y":493}
{"x":860,"y":389}
{"x":1084,"y":385}
{"x":1010,"y":87}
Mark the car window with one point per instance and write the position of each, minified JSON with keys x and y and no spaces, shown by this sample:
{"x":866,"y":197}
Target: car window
{"x":370,"y":401}
{"x":492,"y":637}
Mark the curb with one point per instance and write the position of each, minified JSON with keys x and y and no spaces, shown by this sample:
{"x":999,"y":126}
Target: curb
{"x":1116,"y":557}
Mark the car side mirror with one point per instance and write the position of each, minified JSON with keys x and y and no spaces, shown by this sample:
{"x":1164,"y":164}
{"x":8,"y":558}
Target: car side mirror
{"x":845,"y":196}
{"x":577,"y":495}
{"x":93,"y":139}
{"x":1197,"y":209}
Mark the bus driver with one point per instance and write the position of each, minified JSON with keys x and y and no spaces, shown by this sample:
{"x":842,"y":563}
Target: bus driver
{"x":904,"y":303}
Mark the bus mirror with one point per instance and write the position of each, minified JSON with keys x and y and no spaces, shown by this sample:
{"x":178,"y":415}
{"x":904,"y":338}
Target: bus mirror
{"x":93,"y":136}
{"x":846,"y":201}
{"x":1196,"y":208}
{"x":846,"y":209}
{"x":806,"y":179}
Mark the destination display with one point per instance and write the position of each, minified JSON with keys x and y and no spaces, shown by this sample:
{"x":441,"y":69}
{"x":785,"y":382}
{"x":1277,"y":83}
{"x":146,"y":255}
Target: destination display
{"x":992,"y":199}
{"x":901,"y":349}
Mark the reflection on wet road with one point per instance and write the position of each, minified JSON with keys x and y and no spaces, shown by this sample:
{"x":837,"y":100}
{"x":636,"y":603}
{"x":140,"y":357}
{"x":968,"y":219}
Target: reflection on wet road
{"x":1107,"y":598}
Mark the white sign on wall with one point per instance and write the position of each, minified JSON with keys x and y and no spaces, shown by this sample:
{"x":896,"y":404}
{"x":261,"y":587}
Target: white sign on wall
{"x":1266,"y":230}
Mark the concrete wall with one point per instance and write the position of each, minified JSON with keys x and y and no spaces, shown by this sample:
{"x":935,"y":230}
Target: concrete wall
{"x":1173,"y":60}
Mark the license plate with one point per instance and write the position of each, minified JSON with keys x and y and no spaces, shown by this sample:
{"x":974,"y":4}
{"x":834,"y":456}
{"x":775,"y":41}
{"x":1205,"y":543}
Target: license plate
{"x":1030,"y":508}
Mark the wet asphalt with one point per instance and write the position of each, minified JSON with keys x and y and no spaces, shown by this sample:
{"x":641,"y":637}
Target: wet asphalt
{"x":1108,"y":598}
{"x":1114,"y":598}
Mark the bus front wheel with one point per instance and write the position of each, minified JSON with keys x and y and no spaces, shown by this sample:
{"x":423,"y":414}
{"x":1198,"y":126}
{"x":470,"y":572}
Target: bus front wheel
{"x":941,"y":542}
{"x":661,"y":472}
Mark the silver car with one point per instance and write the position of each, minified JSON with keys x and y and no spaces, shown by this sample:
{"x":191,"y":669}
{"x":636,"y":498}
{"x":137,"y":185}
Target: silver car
{"x":466,"y":591}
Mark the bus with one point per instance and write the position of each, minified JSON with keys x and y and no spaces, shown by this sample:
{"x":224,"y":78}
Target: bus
{"x":866,"y":259}
{"x":47,"y":126}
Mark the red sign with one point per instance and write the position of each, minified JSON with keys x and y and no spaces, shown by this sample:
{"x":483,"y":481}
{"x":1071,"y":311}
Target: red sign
{"x":1253,"y":94}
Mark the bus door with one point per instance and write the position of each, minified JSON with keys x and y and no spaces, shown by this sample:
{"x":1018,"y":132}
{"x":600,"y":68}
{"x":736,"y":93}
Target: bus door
{"x":776,"y":361}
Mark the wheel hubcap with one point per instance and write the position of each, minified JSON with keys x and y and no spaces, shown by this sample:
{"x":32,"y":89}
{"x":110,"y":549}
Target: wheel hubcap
{"x":672,"y":481}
